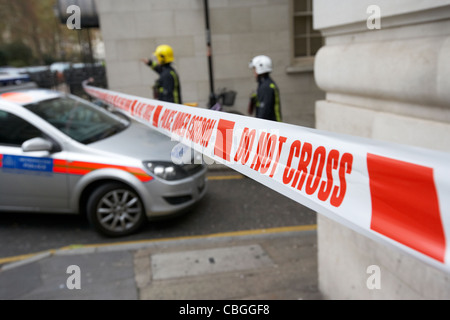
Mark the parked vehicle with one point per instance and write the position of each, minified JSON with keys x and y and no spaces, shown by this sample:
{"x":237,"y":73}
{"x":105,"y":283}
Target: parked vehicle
{"x":12,"y":76}
{"x":62,"y":154}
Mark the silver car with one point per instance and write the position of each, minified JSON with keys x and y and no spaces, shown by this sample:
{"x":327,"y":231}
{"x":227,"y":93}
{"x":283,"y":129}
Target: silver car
{"x":62,"y":154}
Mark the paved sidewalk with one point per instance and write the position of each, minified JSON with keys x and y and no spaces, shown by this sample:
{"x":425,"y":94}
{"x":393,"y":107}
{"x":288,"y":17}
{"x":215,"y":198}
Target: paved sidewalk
{"x":273,"y":264}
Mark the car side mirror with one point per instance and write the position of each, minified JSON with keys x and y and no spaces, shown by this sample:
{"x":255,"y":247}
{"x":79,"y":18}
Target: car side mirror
{"x":37,"y":144}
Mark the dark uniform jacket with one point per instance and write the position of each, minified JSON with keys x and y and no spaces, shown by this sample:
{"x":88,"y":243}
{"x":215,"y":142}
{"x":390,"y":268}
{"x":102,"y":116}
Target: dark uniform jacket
{"x":268,"y":104}
{"x":167,"y":87}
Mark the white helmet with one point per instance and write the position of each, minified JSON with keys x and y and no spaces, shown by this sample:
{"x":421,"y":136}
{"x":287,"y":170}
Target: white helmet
{"x":262,"y":64}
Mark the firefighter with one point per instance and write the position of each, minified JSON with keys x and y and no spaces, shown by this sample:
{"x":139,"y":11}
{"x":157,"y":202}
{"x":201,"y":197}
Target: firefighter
{"x":266,"y":101}
{"x":167,"y":87}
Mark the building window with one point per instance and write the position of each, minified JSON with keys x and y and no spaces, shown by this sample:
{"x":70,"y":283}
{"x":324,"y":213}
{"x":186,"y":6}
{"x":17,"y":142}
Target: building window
{"x":306,"y":40}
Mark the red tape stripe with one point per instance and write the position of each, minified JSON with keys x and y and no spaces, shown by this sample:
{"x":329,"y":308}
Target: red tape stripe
{"x":405,"y":205}
{"x":224,"y":139}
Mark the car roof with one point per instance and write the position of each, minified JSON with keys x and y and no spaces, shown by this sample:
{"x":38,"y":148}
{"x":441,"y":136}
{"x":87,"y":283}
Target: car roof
{"x":24,"y":97}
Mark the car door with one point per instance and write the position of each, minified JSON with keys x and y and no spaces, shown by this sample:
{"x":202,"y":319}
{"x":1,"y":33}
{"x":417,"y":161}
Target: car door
{"x":28,"y":180}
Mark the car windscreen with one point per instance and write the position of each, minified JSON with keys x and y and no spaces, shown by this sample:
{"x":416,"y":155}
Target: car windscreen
{"x":79,"y":120}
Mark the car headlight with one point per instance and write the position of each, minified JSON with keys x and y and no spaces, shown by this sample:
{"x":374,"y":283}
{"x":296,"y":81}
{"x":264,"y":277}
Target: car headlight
{"x":166,"y":170}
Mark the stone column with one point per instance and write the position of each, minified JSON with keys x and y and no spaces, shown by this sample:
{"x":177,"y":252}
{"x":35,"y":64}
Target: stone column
{"x":390,"y":84}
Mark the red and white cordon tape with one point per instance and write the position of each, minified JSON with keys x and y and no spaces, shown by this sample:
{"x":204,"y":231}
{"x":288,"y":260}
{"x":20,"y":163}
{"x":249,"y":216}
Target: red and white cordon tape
{"x":394,"y":193}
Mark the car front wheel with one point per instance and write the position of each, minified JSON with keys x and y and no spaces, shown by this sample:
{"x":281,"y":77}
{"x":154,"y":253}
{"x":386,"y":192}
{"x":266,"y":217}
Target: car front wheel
{"x":115,"y":210}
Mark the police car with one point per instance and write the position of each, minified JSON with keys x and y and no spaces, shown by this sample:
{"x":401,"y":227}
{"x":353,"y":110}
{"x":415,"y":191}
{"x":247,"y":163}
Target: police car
{"x":63,"y":154}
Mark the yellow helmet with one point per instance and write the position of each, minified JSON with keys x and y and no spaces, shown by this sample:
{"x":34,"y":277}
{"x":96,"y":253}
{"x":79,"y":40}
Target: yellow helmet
{"x":164,"y":54}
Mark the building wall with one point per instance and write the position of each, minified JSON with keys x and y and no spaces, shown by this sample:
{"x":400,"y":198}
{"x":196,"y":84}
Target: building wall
{"x":388,"y":84}
{"x":241,"y":29}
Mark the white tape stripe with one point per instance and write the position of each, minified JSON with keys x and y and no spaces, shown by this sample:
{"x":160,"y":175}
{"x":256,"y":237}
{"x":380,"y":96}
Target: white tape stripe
{"x":392,"y":193}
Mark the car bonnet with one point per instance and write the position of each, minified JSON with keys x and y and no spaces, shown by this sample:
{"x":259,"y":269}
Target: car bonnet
{"x":138,"y":141}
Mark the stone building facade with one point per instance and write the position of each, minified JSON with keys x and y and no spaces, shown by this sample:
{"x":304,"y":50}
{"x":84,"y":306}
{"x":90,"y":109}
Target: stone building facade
{"x":392,"y":84}
{"x":131,"y":30}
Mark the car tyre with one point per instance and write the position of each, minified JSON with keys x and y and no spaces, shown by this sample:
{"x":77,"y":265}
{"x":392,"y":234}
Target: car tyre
{"x":115,"y":210}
